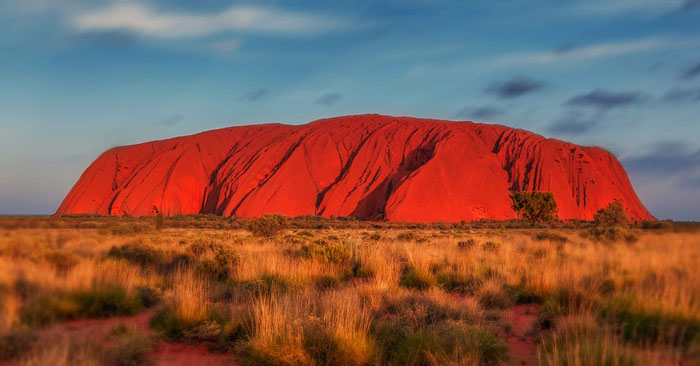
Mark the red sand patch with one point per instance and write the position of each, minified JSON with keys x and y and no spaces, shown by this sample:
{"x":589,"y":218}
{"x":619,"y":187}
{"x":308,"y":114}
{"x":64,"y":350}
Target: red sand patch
{"x":521,"y":344}
{"x":181,"y":354}
{"x":162,"y":353}
{"x":99,"y":327}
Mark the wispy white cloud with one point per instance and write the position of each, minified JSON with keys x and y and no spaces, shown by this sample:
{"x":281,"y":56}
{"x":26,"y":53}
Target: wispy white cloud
{"x":616,"y":7}
{"x":141,"y":19}
{"x":596,"y":51}
{"x":227,"y":45}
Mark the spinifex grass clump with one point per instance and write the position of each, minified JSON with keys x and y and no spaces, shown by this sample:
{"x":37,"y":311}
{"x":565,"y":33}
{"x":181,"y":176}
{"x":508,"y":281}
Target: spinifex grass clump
{"x":100,"y":302}
{"x":579,"y":341}
{"x":138,"y":253}
{"x":430,"y":329}
{"x":644,"y":326}
{"x":295,"y":329}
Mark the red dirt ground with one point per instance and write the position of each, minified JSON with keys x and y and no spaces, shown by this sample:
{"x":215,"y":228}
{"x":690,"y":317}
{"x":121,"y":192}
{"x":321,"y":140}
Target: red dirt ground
{"x":162,"y":353}
{"x":521,"y":344}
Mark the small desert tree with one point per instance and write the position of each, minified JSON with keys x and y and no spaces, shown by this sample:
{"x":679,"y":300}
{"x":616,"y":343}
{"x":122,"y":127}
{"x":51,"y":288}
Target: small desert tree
{"x":614,"y":214}
{"x":535,"y":206}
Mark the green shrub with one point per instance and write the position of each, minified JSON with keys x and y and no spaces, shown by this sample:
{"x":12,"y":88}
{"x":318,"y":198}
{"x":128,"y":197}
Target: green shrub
{"x":274,"y":355}
{"x":268,"y":225}
{"x":333,"y":252}
{"x":388,"y":335}
{"x":606,"y":286}
{"x":306,"y":233}
{"x":61,"y":261}
{"x":166,"y":321}
{"x":658,"y":225}
{"x":612,"y":234}
{"x":418,"y":311}
{"x":359,"y":270}
{"x":466,"y":244}
{"x":552,"y":308}
{"x":414,"y":279}
{"x":375,"y":236}
{"x":24,"y":289}
{"x":328,"y":349}
{"x":148,"y":296}
{"x":217,"y":328}
{"x":128,"y":347}
{"x":614,"y":214}
{"x":126,"y":228}
{"x":137,"y":253}
{"x":272,"y":282}
{"x":644,"y":327}
{"x":408,"y":236}
{"x":176,"y":262}
{"x":571,"y":299}
{"x":550,"y":236}
{"x":415,"y":348}
{"x":462,"y":341}
{"x":96,"y":303}
{"x":453,"y":282}
{"x":522,"y":294}
{"x":582,"y":343}
{"x":102,"y":303}
{"x":327,"y":282}
{"x":494,"y":298}
{"x":491,"y":246}
{"x":198,"y":247}
{"x":219,"y":267}
{"x":535,"y":206}
{"x":266,"y":284}
{"x":448,"y":342}
{"x":39,"y":311}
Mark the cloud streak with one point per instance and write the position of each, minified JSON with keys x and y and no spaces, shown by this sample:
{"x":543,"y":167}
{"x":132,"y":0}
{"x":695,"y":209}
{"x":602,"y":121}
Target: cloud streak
{"x":574,"y":124}
{"x":617,"y":7}
{"x":597,"y":103}
{"x":606,"y":100}
{"x":328,"y":99}
{"x":172,"y":120}
{"x":144,"y":20}
{"x":254,"y":95}
{"x":514,"y":88}
{"x":692,"y":72}
{"x":690,"y":5}
{"x":485,"y":113}
{"x":682,"y":95}
{"x":673,"y":159}
{"x":595,"y":51}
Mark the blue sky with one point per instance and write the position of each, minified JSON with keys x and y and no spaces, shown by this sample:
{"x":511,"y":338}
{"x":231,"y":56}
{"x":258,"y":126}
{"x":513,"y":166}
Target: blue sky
{"x":79,"y":76}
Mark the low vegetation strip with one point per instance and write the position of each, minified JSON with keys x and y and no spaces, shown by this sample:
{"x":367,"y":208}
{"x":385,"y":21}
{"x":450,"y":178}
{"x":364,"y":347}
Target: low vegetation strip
{"x":409,"y":295}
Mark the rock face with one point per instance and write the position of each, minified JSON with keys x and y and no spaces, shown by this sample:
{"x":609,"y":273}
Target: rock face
{"x":368,"y":166}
